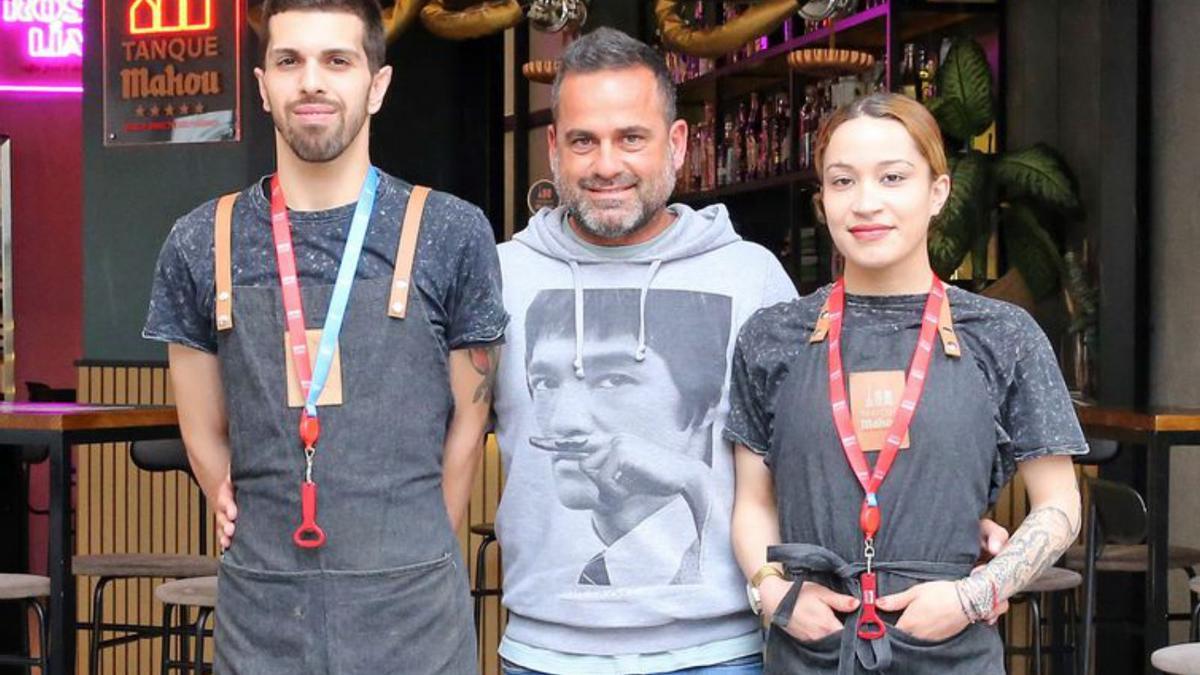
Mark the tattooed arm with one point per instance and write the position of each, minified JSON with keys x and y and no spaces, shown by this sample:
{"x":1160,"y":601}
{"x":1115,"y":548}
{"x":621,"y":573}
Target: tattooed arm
{"x":472,"y":377}
{"x":937,"y":610}
{"x":1051,"y":526}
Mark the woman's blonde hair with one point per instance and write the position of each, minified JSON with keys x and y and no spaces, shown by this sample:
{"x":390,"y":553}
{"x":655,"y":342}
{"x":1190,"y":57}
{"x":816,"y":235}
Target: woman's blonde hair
{"x":915,"y":117}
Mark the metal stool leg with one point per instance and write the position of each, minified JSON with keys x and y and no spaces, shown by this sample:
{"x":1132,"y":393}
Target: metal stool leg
{"x":43,"y":635}
{"x":201,"y":619}
{"x":480,"y":579}
{"x":24,"y":604}
{"x":97,"y":621}
{"x":185,"y":639}
{"x":1035,"y":612}
{"x":165,"y":666}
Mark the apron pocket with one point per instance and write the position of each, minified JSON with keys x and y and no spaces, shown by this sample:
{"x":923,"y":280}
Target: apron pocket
{"x":909,"y":638}
{"x":974,"y":651}
{"x":268,"y":623}
{"x":785,"y":654}
{"x":413,"y":619}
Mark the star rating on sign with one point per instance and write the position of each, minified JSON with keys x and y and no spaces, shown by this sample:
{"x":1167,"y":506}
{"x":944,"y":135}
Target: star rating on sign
{"x":169,"y":110}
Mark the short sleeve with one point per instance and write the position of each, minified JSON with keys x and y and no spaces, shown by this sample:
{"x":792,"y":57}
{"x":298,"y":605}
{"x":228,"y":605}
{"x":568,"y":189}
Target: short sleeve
{"x":749,"y":421}
{"x":1037,"y":413}
{"x":181,"y":308}
{"x":475,"y":305}
{"x":777,"y":286}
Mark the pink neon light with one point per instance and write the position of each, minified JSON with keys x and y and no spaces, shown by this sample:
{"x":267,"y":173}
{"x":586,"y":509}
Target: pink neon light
{"x":54,"y":28}
{"x":41,"y":89}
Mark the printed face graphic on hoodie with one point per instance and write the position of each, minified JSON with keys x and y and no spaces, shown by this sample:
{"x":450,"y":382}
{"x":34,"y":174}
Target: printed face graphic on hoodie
{"x":626,"y":413}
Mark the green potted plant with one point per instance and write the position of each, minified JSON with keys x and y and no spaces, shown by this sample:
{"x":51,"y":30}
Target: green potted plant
{"x":1024,"y":195}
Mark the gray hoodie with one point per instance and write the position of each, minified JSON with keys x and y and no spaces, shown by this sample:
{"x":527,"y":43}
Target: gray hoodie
{"x":611,"y":400}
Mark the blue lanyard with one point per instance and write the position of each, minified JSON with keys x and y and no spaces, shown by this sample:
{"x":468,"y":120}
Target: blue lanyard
{"x":341,"y":290}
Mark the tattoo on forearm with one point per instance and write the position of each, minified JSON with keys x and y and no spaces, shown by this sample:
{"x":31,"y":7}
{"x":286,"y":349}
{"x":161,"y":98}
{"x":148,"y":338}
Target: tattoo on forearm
{"x":485,"y":361}
{"x":1041,"y":539}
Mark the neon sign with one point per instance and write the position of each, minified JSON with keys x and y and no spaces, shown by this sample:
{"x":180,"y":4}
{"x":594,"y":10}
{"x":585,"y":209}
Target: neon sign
{"x":151,"y":17}
{"x":53,"y":28}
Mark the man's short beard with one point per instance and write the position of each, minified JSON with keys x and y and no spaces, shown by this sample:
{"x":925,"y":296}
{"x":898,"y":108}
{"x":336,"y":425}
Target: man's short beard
{"x":652,"y":197}
{"x":322,"y":149}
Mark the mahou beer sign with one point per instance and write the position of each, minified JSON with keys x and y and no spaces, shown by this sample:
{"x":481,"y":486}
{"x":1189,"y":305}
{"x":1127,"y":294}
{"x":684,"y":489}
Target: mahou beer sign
{"x":171,"y":71}
{"x":41,"y":46}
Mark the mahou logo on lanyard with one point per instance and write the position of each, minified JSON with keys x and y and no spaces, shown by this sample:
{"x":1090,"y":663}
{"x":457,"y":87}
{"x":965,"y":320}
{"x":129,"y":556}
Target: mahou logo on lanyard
{"x":313,"y":376}
{"x":937,"y":311}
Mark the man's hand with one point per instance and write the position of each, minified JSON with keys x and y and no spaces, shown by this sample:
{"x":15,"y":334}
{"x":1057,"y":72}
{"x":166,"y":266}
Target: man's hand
{"x":225,"y":507}
{"x":813,"y":617}
{"x":992,"y":538}
{"x":931,"y":611}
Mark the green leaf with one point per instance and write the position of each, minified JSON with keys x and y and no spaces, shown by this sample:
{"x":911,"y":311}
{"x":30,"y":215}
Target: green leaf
{"x":952,"y":117}
{"x":966,"y":77}
{"x":1037,"y":173}
{"x":1032,"y":250}
{"x":956,"y":227}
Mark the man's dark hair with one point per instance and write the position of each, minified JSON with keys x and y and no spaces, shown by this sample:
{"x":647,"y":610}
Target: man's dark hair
{"x":374,"y":39}
{"x":689,"y":330}
{"x":610,"y":49}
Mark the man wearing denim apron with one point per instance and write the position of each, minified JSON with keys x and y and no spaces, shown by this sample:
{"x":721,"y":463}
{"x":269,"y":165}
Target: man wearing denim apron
{"x":333,"y":327}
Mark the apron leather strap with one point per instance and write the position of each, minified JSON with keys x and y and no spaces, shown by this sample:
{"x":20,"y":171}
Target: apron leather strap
{"x":222,"y":245}
{"x":950,"y":346}
{"x":406,"y":253}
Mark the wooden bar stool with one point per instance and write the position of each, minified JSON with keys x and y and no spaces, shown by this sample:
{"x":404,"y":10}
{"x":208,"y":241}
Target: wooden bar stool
{"x":199,"y":593}
{"x":27,"y":589}
{"x":480,"y":589}
{"x":153,"y":456}
{"x":1183,"y":659}
{"x":1052,"y":581}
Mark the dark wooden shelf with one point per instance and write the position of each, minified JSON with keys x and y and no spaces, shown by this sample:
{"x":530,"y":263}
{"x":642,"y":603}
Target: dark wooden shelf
{"x":777,"y":56}
{"x":782,"y":180}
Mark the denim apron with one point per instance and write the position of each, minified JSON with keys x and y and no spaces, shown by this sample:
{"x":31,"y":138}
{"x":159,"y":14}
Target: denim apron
{"x":387,"y":593}
{"x":931,"y":501}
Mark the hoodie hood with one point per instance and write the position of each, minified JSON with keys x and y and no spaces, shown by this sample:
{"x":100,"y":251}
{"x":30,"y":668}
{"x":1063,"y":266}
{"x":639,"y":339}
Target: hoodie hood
{"x":693,"y":233}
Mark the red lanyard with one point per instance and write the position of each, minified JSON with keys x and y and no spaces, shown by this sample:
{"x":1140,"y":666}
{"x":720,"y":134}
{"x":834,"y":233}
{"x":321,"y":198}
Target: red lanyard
{"x":869,"y":624}
{"x":309,"y":534}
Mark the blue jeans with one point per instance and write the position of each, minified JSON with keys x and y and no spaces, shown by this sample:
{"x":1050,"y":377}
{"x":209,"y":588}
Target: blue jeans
{"x":746,"y":665}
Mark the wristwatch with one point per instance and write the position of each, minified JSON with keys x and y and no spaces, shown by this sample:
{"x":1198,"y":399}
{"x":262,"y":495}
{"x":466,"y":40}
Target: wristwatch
{"x":760,"y":576}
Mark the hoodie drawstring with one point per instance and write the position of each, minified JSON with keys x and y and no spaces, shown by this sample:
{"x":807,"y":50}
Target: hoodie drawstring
{"x":576,"y":277}
{"x":640,"y":354}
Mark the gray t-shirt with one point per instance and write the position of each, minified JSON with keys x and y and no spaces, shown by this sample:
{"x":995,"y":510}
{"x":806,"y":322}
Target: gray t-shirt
{"x":456,"y":270}
{"x":1002,"y":402}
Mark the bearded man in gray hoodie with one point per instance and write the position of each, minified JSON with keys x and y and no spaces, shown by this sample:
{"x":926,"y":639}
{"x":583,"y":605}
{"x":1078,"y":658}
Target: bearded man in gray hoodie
{"x":612,"y":392}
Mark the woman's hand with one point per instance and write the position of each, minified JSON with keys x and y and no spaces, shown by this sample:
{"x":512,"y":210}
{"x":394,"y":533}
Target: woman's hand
{"x":813,"y":617}
{"x":931,"y":611}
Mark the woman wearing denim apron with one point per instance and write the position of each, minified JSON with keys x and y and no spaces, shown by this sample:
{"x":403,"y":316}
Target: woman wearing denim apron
{"x":877,"y":420}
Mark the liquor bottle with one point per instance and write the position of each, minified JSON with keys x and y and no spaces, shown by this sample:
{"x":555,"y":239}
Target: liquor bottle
{"x":910,"y":82}
{"x":783,"y":111}
{"x":708,"y":150}
{"x":694,"y":159}
{"x":808,"y":117}
{"x":767,"y":152}
{"x":738,"y":174}
{"x":928,"y":75}
{"x":753,"y":122}
{"x":728,"y":160}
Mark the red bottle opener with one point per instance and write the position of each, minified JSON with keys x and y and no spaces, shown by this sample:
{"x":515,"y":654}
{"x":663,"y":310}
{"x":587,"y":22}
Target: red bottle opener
{"x":870,"y":627}
{"x":309,"y":534}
